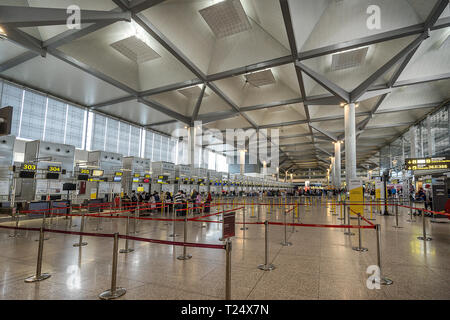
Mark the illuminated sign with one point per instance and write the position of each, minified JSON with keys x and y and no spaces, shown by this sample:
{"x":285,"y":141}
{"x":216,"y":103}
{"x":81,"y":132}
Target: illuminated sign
{"x":97,"y":173}
{"x":118,"y":174}
{"x":117,"y":179}
{"x":135,"y":179}
{"x":85,"y":171}
{"x":54,"y":168}
{"x":137,"y":175}
{"x":147,"y":176}
{"x":146,"y":181}
{"x":427,"y":163}
{"x":28,"y":167}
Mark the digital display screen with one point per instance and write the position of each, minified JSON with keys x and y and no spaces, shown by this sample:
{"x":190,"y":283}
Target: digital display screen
{"x":140,"y":189}
{"x":147,"y":176}
{"x":118,"y":174}
{"x":146,"y":181}
{"x":137,"y":175}
{"x":427,"y":163}
{"x":117,"y":179}
{"x":135,"y":179}
{"x":26,"y":174}
{"x":28,"y":167}
{"x":54,"y":168}
{"x":97,"y":173}
{"x":52,"y":175}
{"x":83,"y":177}
{"x":85,"y":171}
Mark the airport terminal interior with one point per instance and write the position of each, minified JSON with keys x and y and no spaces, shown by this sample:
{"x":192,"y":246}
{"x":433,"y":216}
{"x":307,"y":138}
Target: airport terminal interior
{"x":224,"y":150}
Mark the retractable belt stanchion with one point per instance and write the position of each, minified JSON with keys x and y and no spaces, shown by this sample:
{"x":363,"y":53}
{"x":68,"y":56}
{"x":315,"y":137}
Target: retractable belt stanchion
{"x":135,"y":216}
{"x":99,"y":222}
{"x":359,"y":247}
{"x":266,"y":266}
{"x":228,"y":248}
{"x":127,"y":229}
{"x":348,"y":232}
{"x":285,"y":242}
{"x":174,"y":215}
{"x":396,"y":217}
{"x":293,"y":221}
{"x":410,"y":212}
{"x":80,"y":241}
{"x":15,"y":217}
{"x":383,"y":280}
{"x":424,"y":231}
{"x":244,"y":227}
{"x":39,"y":276}
{"x":114,"y":292}
{"x":185,"y":256}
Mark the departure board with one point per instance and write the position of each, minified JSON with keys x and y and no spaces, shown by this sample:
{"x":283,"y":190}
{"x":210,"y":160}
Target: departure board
{"x":427,"y":163}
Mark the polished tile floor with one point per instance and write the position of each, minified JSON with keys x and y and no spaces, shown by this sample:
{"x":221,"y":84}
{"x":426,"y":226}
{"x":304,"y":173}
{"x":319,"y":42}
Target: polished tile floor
{"x":319,"y":265}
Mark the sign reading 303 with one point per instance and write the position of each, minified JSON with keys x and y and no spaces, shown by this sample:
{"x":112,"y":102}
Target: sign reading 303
{"x":28,"y":167}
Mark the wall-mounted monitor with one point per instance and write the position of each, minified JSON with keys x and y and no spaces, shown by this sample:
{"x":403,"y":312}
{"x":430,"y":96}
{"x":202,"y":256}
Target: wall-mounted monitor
{"x":97,"y":173}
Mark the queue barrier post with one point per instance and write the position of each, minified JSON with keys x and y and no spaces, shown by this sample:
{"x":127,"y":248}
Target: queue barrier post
{"x":39,"y":276}
{"x":359,"y":247}
{"x":15,"y":217}
{"x":114,"y":292}
{"x":266,"y":266}
{"x":174,"y":215}
{"x":228,"y":247}
{"x":424,"y":231}
{"x":285,"y":243}
{"x":348,"y":232}
{"x":244,"y":226}
{"x":127,"y":231}
{"x":396,"y":217}
{"x":293,"y":222}
{"x":185,"y":256}
{"x":410,"y":212}
{"x":383,"y":280}
{"x":80,"y":242}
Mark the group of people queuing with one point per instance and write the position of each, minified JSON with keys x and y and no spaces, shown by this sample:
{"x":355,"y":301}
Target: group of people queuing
{"x":154,"y":201}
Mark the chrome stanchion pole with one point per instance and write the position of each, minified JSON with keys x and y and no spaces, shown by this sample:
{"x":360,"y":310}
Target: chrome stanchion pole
{"x":174,"y":234}
{"x":348,"y":232}
{"x":266,"y":266}
{"x":15,"y":217}
{"x":285,"y":242}
{"x":228,"y":248}
{"x":39,"y":276}
{"x":293,"y":220}
{"x":410,"y":212}
{"x":383,"y":280}
{"x":244,"y":226}
{"x":80,"y":241}
{"x":127,"y":228}
{"x":185,"y":256}
{"x":359,"y":247}
{"x":396,"y":217}
{"x":424,"y":237}
{"x":114,"y":292}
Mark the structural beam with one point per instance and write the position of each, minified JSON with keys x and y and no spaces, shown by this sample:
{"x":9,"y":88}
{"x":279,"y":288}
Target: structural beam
{"x":24,"y":57}
{"x":141,"y":5}
{"x":170,"y":87}
{"x":324,"y":132}
{"x":159,"y":107}
{"x":24,"y":40}
{"x":20,"y":17}
{"x":363,"y":87}
{"x":112,"y":102}
{"x":198,"y":104}
{"x":324,"y":82}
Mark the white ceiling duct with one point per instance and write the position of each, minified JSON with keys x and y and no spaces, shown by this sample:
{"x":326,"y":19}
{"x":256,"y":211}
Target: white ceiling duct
{"x":348,"y":59}
{"x":226,"y":18}
{"x":135,"y":49}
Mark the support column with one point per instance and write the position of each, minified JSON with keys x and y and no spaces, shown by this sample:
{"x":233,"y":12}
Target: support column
{"x":333,"y":172}
{"x":412,"y":140}
{"x":242,"y":161}
{"x":350,"y":142}
{"x":337,"y":163}
{"x":431,"y":149}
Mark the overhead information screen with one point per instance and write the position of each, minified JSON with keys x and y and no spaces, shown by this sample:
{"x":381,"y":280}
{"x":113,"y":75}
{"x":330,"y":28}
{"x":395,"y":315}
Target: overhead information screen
{"x":54,"y":168}
{"x":28,"y":167}
{"x":427,"y":163}
{"x":85,"y":171}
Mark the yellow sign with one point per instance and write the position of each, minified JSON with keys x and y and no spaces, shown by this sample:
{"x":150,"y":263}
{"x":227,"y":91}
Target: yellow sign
{"x":29,"y":167}
{"x":85,"y":171}
{"x":54,"y":169}
{"x":140,"y":189}
{"x":356,"y":196}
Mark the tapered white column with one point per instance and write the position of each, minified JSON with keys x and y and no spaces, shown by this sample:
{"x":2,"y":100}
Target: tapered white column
{"x":350,"y":142}
{"x":333,"y":172}
{"x":430,"y":142}
{"x":337,"y":163}
{"x":191,"y":148}
{"x":242,"y":161}
{"x":412,"y":141}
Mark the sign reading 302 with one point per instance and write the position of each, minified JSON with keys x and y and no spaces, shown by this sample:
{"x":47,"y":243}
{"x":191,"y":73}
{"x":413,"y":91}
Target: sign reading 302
{"x":28,"y":167}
